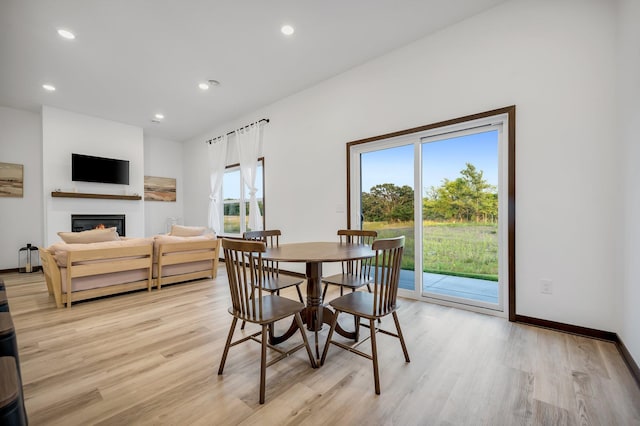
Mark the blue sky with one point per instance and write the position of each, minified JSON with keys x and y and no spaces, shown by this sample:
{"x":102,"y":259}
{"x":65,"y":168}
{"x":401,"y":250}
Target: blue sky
{"x":440,"y":160}
{"x":232,"y":181}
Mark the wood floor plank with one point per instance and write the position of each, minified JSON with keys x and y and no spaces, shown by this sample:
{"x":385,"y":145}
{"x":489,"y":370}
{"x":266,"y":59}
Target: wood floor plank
{"x":152,"y":359}
{"x":621,"y":395}
{"x":547,"y":414}
{"x":553,"y":370}
{"x":585,"y":356}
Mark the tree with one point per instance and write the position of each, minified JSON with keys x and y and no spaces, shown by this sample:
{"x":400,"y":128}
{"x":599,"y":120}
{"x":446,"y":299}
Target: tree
{"x":388,"y":202}
{"x":467,"y":198}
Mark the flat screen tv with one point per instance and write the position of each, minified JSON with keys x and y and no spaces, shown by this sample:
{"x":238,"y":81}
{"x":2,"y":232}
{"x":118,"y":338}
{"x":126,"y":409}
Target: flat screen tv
{"x":86,"y":168}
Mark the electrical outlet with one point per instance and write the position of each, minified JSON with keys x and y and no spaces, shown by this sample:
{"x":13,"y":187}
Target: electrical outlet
{"x":546,"y":286}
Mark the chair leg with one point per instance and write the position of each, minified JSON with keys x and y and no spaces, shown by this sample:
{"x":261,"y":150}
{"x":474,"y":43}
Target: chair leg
{"x":270,"y":328}
{"x":328,"y":343}
{"x":298,"y":319}
{"x":315,"y":333}
{"x":227,"y":345}
{"x":404,"y":346}
{"x":356,"y":321}
{"x":300,"y":294}
{"x":324,"y":292}
{"x":374,"y":355}
{"x":263,"y":363}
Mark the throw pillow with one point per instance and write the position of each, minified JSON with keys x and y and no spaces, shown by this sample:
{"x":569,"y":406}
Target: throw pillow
{"x":187,"y":231}
{"x":90,"y":236}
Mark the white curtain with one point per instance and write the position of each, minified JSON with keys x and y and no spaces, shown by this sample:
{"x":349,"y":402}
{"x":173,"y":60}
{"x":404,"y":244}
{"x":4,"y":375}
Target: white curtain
{"x":217,"y":163}
{"x":249,"y":143}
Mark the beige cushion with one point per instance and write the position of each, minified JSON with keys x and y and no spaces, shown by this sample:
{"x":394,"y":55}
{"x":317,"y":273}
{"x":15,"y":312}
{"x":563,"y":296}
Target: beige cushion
{"x":90,"y":236}
{"x":60,"y":250}
{"x":167,"y":239}
{"x":187,"y":231}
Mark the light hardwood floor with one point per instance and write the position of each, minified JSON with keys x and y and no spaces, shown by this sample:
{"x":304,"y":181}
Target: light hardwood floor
{"x":152,"y":358}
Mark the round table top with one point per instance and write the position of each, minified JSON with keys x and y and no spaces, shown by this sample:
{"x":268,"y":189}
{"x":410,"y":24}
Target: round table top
{"x":318,"y":252}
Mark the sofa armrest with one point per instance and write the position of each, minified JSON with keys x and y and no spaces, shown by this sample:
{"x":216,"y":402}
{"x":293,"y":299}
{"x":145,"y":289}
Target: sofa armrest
{"x":51,"y":275}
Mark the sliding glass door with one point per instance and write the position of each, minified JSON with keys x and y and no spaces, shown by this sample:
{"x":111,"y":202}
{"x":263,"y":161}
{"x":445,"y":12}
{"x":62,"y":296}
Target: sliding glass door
{"x":456,"y":223}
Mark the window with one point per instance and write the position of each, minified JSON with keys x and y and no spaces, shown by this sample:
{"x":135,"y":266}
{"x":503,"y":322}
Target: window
{"x":236,"y":194}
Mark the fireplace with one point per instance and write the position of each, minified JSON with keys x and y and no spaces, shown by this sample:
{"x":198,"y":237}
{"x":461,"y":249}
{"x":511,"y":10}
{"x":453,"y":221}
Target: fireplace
{"x":83,"y":222}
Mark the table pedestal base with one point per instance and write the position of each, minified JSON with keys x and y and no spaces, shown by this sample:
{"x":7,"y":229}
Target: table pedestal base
{"x":314,"y":317}
{"x":315,"y":314}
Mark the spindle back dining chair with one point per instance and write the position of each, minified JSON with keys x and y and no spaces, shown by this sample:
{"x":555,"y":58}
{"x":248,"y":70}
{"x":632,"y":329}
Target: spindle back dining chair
{"x":355,"y":273}
{"x":273,"y":281}
{"x":245,"y":272}
{"x":376,"y":305}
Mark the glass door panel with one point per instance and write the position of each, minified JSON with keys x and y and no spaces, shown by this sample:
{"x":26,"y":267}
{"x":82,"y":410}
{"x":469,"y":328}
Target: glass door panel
{"x":460,"y":244}
{"x":387,"y":200}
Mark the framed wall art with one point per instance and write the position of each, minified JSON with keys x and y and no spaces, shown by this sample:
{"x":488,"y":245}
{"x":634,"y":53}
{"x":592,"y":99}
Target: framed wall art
{"x":11,"y":180}
{"x":159,"y":189}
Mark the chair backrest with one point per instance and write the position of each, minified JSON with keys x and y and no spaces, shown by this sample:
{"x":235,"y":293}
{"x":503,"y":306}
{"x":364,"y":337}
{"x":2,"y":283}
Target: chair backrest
{"x":386,"y":273}
{"x":244,"y":263}
{"x":357,"y":236}
{"x":271,"y":238}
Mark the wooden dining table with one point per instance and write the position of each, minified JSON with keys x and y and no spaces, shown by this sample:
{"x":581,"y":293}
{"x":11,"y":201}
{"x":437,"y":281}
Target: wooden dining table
{"x":314,"y":254}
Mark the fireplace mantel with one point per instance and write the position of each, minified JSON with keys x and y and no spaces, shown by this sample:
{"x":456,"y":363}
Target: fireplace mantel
{"x":100,"y":196}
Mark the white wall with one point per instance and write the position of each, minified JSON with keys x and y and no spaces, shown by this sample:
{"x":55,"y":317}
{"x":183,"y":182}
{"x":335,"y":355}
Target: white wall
{"x":21,"y":218}
{"x":162,"y":158}
{"x":65,"y":133}
{"x":554,"y":60}
{"x":629,"y":118}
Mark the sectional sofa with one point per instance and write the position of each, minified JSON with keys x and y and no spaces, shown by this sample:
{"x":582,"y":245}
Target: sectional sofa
{"x":96,"y":263}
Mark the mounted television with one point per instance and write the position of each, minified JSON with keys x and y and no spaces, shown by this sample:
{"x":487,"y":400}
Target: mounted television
{"x":86,"y":168}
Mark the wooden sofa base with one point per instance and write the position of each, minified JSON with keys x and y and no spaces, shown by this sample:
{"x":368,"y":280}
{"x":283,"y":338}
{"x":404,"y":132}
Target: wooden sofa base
{"x":182,"y":278}
{"x":185,"y":252}
{"x":79,"y":265}
{"x":94,"y":293}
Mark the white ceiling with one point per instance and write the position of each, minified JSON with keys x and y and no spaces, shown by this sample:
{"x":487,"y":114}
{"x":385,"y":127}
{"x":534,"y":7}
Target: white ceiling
{"x":134,"y":58}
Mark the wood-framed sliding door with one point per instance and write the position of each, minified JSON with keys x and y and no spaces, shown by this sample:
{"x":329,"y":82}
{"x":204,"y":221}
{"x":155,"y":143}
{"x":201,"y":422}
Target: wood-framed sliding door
{"x":449,"y":188}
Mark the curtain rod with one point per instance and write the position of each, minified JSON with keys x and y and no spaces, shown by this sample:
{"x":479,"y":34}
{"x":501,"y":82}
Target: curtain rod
{"x":266,"y":120}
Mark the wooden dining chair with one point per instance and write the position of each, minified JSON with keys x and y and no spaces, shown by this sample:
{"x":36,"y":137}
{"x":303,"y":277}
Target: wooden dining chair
{"x":245,"y":272}
{"x":372,"y":306}
{"x":355,"y":273}
{"x":272,"y":280}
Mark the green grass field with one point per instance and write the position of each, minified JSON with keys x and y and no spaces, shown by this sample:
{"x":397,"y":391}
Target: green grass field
{"x":463,"y":249}
{"x":232,"y":224}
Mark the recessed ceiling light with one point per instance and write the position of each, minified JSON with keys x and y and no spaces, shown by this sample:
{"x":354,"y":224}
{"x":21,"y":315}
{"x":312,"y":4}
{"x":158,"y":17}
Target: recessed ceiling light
{"x":208,"y":84}
{"x":287,"y":29}
{"x":49,"y":87}
{"x":159,"y":116}
{"x":66,"y":34}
